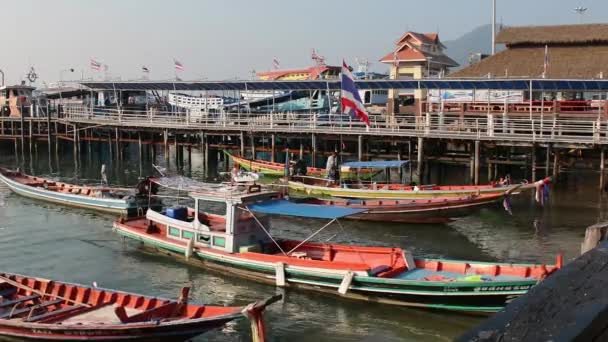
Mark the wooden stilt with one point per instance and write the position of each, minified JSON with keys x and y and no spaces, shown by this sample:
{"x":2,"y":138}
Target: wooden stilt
{"x":360,"y":147}
{"x":548,"y":161}
{"x":252,"y":140}
{"x":602,"y":167}
{"x":242,"y":138}
{"x":533,"y":157}
{"x":272,"y":148}
{"x":477,"y":161}
{"x":419,"y":166}
{"x":314,"y":150}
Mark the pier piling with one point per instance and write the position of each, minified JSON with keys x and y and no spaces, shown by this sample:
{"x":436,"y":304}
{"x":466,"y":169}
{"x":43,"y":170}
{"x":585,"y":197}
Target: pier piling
{"x":419,"y":159}
{"x":272,"y":147}
{"x":477,"y":160}
{"x":533,"y":157}
{"x":252,"y":138}
{"x":242,"y":141}
{"x":360,"y":147}
{"x":548,"y":161}
{"x":314,"y":150}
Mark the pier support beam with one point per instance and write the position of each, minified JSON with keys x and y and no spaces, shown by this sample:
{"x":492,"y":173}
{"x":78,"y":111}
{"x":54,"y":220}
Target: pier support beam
{"x":555,"y":164}
{"x":272,"y":147}
{"x":602,"y":167}
{"x":548,"y":161}
{"x":471,"y":164}
{"x":533,"y":157}
{"x":301,"y":150}
{"x":242,"y":139}
{"x":360,"y":147}
{"x":252,"y":146}
{"x":419,"y":167}
{"x":118,"y":149}
{"x":314,"y":150}
{"x":477,"y":160}
{"x":166,"y":144}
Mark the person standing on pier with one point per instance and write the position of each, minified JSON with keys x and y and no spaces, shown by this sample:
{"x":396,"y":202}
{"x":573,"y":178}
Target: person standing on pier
{"x":331,"y":166}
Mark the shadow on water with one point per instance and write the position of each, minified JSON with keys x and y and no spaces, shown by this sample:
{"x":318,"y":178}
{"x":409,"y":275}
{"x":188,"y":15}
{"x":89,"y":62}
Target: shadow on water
{"x":76,"y":245}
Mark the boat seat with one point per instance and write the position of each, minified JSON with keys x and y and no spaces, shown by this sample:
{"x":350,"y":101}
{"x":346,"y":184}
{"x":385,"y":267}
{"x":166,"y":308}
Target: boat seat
{"x":8,"y":292}
{"x":410,"y":263}
{"x":18,"y":300}
{"x":53,"y":313}
{"x":9,"y":314}
{"x":379,"y":269}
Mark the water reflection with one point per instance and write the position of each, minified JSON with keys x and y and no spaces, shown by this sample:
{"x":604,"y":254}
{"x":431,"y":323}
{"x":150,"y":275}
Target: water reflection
{"x":77,"y":245}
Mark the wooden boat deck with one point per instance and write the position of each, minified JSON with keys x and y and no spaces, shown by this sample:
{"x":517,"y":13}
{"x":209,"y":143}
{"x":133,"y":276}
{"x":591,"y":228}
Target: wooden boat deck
{"x":104,"y":314}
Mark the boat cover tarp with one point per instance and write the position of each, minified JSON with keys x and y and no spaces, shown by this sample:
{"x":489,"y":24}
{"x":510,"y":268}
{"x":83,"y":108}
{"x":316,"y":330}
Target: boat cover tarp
{"x":379,"y":164}
{"x":181,"y":183}
{"x":284,"y":207}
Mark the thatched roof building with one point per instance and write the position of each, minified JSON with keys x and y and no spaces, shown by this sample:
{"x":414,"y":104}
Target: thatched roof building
{"x":573,"y":51}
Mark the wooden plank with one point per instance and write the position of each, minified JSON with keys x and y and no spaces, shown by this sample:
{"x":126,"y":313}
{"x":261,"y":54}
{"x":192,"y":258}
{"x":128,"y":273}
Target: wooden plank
{"x":280,"y":274}
{"x":570,"y":305}
{"x":13,"y":313}
{"x":346,"y":281}
{"x":47,"y":315}
{"x":8,"y":292}
{"x":18,"y":300}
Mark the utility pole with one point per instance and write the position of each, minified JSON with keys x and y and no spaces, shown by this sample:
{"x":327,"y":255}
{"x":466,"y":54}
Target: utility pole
{"x":493,"y":27}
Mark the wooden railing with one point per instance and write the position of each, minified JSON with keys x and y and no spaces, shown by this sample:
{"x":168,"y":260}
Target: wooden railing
{"x":549,"y":128}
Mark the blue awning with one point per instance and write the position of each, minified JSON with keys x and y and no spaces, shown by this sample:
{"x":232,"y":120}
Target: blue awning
{"x":379,"y":164}
{"x":287,"y":208}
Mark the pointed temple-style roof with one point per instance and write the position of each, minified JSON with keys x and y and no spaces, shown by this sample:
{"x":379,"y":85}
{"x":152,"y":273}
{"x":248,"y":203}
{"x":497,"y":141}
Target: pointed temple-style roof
{"x":418,"y":47}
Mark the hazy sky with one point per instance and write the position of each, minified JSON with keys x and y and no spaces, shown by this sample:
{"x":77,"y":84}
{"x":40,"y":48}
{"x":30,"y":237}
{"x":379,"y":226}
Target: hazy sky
{"x":228,"y":38}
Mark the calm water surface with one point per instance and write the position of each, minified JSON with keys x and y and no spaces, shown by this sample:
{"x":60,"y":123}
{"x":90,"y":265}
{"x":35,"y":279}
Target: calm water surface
{"x":77,"y":245}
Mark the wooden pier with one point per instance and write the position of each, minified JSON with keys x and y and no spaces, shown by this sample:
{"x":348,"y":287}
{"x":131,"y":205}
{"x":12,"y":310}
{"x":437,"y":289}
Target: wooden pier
{"x":483,"y":135}
{"x":570,"y":305}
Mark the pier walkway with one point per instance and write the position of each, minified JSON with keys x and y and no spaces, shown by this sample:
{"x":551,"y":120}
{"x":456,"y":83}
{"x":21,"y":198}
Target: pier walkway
{"x":550,"y":129}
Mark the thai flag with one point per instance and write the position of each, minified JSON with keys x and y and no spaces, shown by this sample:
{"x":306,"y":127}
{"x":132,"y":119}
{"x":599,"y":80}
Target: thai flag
{"x":351,"y":101}
{"x":95,"y":65}
{"x":178,"y":66}
{"x":275,"y":63}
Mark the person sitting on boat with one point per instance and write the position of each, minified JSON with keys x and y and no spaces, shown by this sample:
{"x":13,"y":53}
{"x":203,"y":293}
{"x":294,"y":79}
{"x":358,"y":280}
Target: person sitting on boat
{"x":300,"y":168}
{"x":331,"y":165}
{"x":235,"y":173}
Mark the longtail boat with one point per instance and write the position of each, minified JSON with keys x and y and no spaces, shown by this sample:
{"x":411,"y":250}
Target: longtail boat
{"x":426,"y":210}
{"x":235,"y":239}
{"x":316,"y":186}
{"x":36,"y":309}
{"x":322,"y":187}
{"x":278,"y":169}
{"x":128,"y":202}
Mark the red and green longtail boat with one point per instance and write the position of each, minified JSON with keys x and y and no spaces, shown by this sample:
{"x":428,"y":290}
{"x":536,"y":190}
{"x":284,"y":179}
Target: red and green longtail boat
{"x":235,"y":239}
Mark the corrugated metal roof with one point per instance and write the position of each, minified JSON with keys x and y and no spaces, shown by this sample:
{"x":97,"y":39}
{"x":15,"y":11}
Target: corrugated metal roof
{"x":445,"y":83}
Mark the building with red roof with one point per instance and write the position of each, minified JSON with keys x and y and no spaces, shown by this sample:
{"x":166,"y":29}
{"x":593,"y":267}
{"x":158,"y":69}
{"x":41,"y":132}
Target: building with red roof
{"x":416,"y":55}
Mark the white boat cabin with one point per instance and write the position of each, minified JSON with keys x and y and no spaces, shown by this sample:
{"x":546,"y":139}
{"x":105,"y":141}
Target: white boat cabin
{"x":219,"y":220}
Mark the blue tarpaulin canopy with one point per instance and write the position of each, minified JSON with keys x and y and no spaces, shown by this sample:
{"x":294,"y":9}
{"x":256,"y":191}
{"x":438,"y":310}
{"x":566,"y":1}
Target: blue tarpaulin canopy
{"x":379,"y":164}
{"x":284,"y":207}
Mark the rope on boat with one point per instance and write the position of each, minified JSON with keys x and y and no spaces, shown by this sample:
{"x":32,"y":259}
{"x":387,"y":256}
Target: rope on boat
{"x":264,"y":229}
{"x":313,"y":235}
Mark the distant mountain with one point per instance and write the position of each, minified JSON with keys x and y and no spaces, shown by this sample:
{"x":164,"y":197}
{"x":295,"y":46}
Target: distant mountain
{"x":476,"y":41}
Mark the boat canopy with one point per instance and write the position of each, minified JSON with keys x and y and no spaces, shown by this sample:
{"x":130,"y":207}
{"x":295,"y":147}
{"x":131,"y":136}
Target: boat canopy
{"x":379,"y":164}
{"x":284,"y":207}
